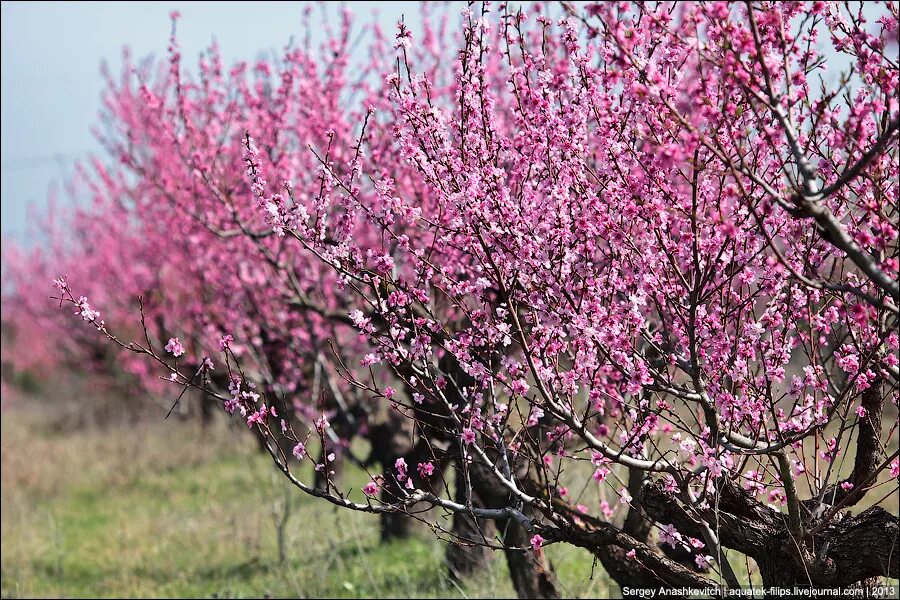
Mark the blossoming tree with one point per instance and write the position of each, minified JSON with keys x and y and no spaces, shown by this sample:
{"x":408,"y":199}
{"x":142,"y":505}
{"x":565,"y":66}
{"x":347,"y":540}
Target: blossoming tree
{"x":631,"y":270}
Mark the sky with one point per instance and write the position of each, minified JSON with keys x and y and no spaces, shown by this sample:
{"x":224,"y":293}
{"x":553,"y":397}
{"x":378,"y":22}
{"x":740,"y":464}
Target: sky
{"x":51,"y":81}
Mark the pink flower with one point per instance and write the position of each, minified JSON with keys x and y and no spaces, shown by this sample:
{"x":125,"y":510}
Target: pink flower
{"x":860,"y":314}
{"x":174,"y":347}
{"x":519,"y":386}
{"x":85,"y":310}
{"x":846,"y":486}
{"x":258,"y":417}
{"x":400,"y":466}
{"x":425,"y":469}
{"x":600,"y":474}
{"x":371,"y":488}
{"x":225,"y":342}
{"x":322,"y":424}
{"x":631,"y":554}
{"x":669,"y":535}
{"x":895,"y":467}
{"x":861,"y":412}
{"x":703,"y":561}
{"x":299,"y":451}
{"x":537,"y":541}
{"x":624,"y":496}
{"x":598,"y":459}
{"x":534,"y":418}
{"x":468,"y":436}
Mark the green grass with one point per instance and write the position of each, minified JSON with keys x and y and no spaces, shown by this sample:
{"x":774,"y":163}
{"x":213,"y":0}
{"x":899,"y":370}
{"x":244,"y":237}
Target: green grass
{"x":168,"y":510}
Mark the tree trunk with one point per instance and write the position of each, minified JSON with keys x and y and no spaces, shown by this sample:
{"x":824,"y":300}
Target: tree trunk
{"x":391,"y":440}
{"x":465,"y":554}
{"x":849,"y":551}
{"x":628,"y":572}
{"x":531,"y":576}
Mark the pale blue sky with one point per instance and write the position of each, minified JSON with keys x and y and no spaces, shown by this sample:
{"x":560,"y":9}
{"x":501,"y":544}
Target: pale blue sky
{"x":51,"y":83}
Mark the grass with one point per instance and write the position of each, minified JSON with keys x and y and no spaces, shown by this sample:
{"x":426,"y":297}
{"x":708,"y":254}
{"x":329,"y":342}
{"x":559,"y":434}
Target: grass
{"x":165,"y":509}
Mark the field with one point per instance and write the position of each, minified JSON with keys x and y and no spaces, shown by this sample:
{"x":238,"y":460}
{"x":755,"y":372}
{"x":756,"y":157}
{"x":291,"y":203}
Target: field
{"x":168,"y":509}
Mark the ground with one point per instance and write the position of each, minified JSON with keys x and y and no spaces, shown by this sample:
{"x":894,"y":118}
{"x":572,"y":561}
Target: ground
{"x":166,"y":509}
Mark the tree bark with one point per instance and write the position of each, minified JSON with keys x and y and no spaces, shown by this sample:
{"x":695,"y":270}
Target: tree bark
{"x":530,"y":573}
{"x":531,"y":576}
{"x":849,"y":551}
{"x":466,"y":554}
{"x":628,"y":572}
{"x":391,"y":440}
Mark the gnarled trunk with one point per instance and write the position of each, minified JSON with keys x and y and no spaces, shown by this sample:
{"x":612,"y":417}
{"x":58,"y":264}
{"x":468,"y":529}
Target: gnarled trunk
{"x":849,"y":551}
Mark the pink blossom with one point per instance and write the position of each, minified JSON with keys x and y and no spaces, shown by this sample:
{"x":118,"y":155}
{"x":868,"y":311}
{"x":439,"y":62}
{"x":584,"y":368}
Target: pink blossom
{"x":174,"y":347}
{"x":401,"y":467}
{"x":669,"y":535}
{"x":859,"y":313}
{"x":371,"y":488}
{"x":322,"y":424}
{"x":85,"y":310}
{"x":299,"y":450}
{"x":225,"y":342}
{"x":519,"y":387}
{"x":608,"y":222}
{"x":468,"y":436}
{"x":258,"y":417}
